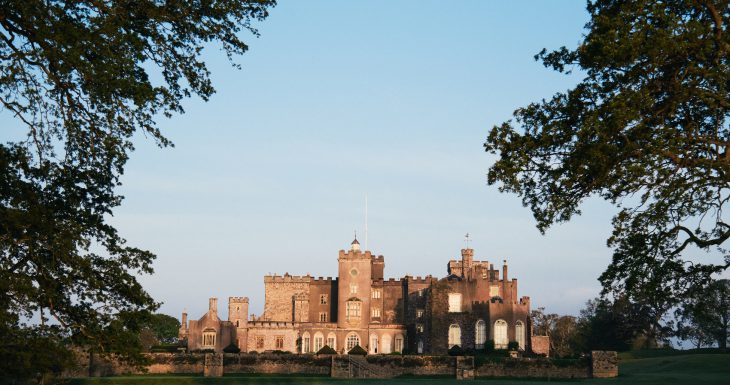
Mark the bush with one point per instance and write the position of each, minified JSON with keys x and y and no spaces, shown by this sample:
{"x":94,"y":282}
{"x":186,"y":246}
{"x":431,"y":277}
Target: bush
{"x":489,"y":346}
{"x":165,"y":348}
{"x":280,"y":351}
{"x":394,"y":354}
{"x":326,"y":350}
{"x":232,"y":348}
{"x":513,"y":345}
{"x":357,"y":350}
{"x":456,"y":350}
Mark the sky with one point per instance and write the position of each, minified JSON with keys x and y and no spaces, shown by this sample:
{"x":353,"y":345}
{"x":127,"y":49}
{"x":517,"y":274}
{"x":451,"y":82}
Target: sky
{"x":338,"y":100}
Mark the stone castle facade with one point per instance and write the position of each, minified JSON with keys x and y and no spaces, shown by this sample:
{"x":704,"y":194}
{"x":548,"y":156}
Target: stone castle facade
{"x":473,"y":304}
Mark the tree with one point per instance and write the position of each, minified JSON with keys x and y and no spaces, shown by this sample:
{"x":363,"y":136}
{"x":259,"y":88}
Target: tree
{"x":705,"y":314}
{"x":83,"y":77}
{"x":647,"y":130}
{"x":165,"y":328}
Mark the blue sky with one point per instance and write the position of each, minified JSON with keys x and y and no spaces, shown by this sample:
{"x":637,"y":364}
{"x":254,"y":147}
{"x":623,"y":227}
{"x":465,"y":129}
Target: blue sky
{"x":336,"y":100}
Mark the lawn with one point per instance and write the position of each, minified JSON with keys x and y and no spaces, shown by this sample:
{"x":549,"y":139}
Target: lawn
{"x":695,"y":369}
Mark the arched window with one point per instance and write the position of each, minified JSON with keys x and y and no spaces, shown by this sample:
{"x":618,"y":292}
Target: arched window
{"x":352,"y":341}
{"x":306,"y":345}
{"x":520,"y":334}
{"x":454,"y":335}
{"x":480,"y":334}
{"x":399,"y":343}
{"x":332,"y":341}
{"x":318,"y":341}
{"x":420,"y":347}
{"x":374,"y":344}
{"x":385,"y":347}
{"x":500,"y":334}
{"x":209,"y":338}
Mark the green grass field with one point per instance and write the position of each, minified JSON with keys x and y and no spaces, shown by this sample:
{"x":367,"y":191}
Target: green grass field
{"x":696,"y":369}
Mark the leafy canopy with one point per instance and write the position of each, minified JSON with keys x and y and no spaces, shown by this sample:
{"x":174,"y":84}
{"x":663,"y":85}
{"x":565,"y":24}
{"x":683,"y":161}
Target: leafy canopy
{"x":83,"y":77}
{"x":647,"y":130}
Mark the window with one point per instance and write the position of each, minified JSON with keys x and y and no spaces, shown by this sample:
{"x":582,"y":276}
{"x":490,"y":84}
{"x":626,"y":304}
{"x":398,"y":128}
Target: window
{"x":353,"y":289}
{"x":419,"y":328}
{"x":454,"y":335}
{"x":399,"y":343}
{"x":500,"y":334}
{"x":520,"y":334}
{"x":238,"y":323}
{"x":480,"y":334}
{"x":493,"y":291}
{"x":385,"y":345}
{"x":323,"y":299}
{"x":373,"y":344}
{"x":420,"y":293}
{"x":420,"y":347}
{"x":332,"y":341}
{"x":454,"y":302}
{"x":318,"y":341}
{"x":352,"y":341}
{"x":323,"y":317}
{"x":353,"y":309}
{"x":306,"y":347}
{"x":259,"y":342}
{"x":419,"y":313}
{"x":375,"y":312}
{"x":209,"y":337}
{"x":376,"y":293}
{"x":279,"y":342}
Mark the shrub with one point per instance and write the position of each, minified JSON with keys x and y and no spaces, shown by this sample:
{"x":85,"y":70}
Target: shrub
{"x":165,"y":348}
{"x":513,"y":345}
{"x":280,"y":351}
{"x":326,"y":350}
{"x":394,"y":354}
{"x":232,"y":348}
{"x":357,"y":350}
{"x":456,"y":350}
{"x":489,"y":346}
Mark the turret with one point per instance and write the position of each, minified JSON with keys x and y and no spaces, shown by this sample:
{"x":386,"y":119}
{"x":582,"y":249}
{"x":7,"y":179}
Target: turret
{"x":467,"y":257}
{"x":237,"y":311}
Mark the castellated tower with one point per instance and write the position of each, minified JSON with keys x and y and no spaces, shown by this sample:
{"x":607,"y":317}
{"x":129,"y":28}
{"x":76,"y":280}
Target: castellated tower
{"x":355,"y":272}
{"x":238,"y":311}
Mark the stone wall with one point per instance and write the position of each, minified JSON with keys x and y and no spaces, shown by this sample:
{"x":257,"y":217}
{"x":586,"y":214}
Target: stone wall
{"x":604,"y":364}
{"x":533,"y":367}
{"x":541,"y":345}
{"x":279,"y":292}
{"x":374,"y":366}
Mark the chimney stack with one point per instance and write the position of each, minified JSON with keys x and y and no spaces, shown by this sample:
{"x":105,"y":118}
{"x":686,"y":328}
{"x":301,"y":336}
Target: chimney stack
{"x":213,"y":305}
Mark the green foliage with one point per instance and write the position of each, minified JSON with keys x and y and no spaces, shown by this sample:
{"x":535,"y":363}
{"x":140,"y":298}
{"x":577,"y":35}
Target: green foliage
{"x":166,"y":348}
{"x":456,"y":350}
{"x":79,"y":76}
{"x":231,"y":348}
{"x":647,"y":130}
{"x":326,"y":350}
{"x":164,"y":328}
{"x":357,"y":351}
{"x":513,"y":345}
{"x":489,"y":346}
{"x":705,"y":314}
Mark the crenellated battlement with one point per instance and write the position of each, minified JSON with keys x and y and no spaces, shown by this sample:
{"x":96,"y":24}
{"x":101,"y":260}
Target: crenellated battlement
{"x":323,"y":279}
{"x":288,"y":278}
{"x":237,"y":299}
{"x":378,"y":258}
{"x":355,"y":254}
{"x":419,"y":279}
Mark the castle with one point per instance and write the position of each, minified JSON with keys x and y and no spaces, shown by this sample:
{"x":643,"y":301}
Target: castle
{"x":470,"y":306}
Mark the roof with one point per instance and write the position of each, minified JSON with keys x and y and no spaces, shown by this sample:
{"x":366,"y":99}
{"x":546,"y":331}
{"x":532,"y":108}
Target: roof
{"x":355,"y":242}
